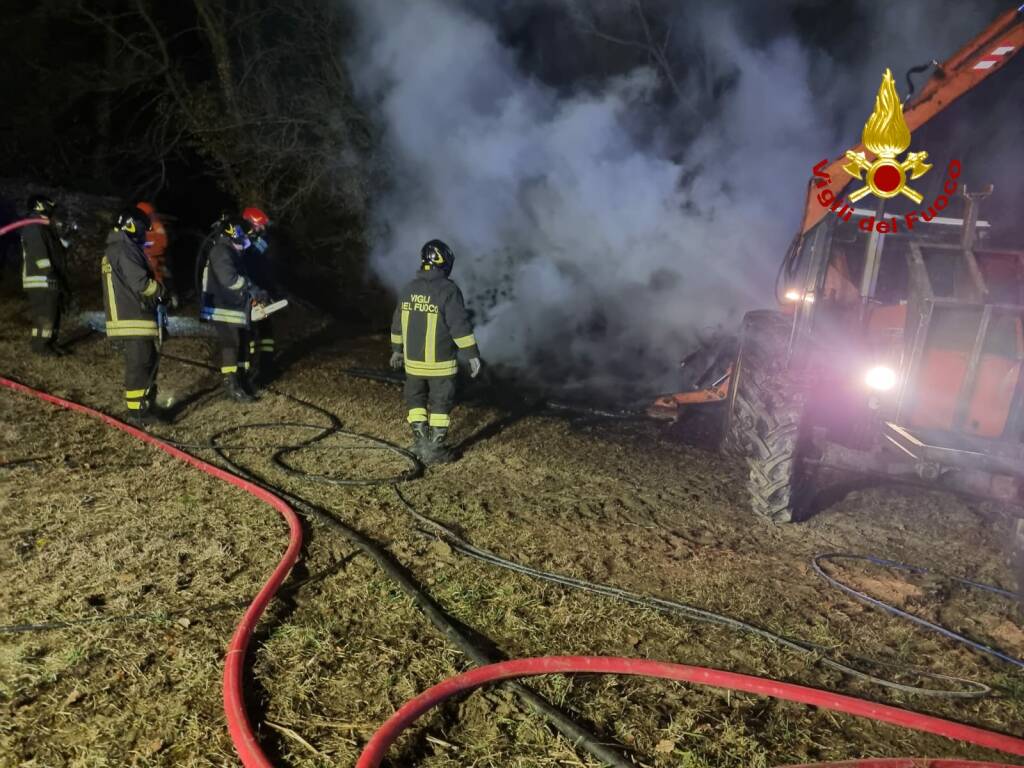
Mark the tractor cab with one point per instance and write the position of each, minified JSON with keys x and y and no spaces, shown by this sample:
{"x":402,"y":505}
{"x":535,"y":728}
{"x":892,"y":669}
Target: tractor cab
{"x":900,"y":356}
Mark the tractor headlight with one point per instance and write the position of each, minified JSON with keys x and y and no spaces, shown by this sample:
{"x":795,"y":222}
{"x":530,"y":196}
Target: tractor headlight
{"x":794,"y":295}
{"x":881,"y":378}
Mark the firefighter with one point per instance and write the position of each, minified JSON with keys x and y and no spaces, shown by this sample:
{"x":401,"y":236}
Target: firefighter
{"x":260,"y":267}
{"x":131,"y":295}
{"x":156,"y":252}
{"x":227,"y":297}
{"x":44,"y":274}
{"x":429,"y":332}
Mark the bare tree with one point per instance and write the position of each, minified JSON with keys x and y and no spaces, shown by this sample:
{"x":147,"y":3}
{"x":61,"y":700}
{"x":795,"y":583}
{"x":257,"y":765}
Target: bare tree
{"x":650,"y":27}
{"x":274,"y":114}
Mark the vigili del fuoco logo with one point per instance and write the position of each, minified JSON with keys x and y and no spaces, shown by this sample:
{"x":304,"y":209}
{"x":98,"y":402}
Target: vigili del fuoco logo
{"x":887,"y":136}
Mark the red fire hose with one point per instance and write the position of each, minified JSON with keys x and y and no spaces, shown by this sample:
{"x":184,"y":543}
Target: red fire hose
{"x":234,"y":664}
{"x":22,"y":223}
{"x":376,"y":749}
{"x":253,"y":757}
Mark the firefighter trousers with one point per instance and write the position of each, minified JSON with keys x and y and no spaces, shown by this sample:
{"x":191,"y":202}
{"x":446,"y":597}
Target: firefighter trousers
{"x":140,"y":364}
{"x":44,"y":307}
{"x":233,"y":346}
{"x":430,"y":399}
{"x":261,"y":348}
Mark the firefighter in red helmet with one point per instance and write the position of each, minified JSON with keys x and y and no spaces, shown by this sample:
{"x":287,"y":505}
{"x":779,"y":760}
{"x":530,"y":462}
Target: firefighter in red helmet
{"x":260,"y":267}
{"x":227,"y":297}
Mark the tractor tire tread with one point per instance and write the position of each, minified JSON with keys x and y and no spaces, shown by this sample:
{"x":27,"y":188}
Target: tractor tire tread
{"x":764,"y":425}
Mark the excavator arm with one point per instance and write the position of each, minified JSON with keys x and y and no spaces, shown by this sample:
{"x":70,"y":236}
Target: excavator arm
{"x":982,"y":57}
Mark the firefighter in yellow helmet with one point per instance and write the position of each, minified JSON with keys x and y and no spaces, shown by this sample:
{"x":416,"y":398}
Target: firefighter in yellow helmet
{"x":44,"y":274}
{"x":429,"y":332}
{"x":131,"y":297}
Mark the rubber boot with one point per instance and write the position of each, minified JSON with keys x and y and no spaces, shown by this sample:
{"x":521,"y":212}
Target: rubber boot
{"x":146,"y":416}
{"x":419,"y":438}
{"x":44,"y":347}
{"x":164,"y":415}
{"x":434,"y":449}
{"x":265,"y":371}
{"x":252,"y":383}
{"x":234,"y":389}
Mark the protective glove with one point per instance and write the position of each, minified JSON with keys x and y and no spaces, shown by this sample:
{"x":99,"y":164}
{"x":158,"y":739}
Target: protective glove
{"x":149,"y":303}
{"x":259,"y":295}
{"x":397,"y":360}
{"x":475,"y":366}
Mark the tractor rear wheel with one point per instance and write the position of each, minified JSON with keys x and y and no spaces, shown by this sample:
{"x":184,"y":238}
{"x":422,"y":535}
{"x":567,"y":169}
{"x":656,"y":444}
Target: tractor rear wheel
{"x":764,"y":419}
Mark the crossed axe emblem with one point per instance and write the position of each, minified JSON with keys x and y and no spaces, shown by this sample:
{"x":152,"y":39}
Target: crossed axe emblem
{"x":886,"y":177}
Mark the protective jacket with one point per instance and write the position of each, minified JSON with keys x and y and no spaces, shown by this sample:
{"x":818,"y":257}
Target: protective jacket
{"x":43,"y":257}
{"x":431,"y":326}
{"x":225,"y":285}
{"x":129,"y":289}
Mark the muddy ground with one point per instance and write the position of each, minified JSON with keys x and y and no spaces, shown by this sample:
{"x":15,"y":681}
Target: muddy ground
{"x":153,"y":563}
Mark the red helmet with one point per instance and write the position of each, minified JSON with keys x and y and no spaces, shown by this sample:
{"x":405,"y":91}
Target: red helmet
{"x":146,"y":208}
{"x":256,"y":219}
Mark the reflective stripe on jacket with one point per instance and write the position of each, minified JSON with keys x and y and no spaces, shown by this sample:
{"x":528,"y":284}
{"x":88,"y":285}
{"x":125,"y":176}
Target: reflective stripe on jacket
{"x":42,"y":258}
{"x":128,"y":283}
{"x":431,"y":326}
{"x":225,"y":285}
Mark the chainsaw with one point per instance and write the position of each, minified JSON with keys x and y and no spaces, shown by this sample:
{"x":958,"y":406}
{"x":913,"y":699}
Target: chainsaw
{"x":263,"y":311}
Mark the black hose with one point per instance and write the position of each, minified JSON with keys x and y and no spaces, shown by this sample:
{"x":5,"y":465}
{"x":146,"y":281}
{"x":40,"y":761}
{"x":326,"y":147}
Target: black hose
{"x":373,"y":374}
{"x":956,"y":637}
{"x":45,"y":626}
{"x":698,"y":614}
{"x":414,"y":471}
{"x":622,"y":414}
{"x":23,"y":462}
{"x":577,"y":735}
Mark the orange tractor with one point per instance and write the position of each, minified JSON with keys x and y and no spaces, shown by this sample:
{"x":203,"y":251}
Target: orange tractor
{"x":898,"y":350}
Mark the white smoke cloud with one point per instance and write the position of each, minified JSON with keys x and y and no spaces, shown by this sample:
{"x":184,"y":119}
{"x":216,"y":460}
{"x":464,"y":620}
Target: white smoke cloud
{"x":585,"y":257}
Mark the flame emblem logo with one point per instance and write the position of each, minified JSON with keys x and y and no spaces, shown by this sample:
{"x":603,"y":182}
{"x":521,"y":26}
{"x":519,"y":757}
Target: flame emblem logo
{"x":886,"y":134}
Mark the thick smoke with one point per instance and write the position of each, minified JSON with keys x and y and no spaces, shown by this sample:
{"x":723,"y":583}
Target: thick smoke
{"x":591,"y":258}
